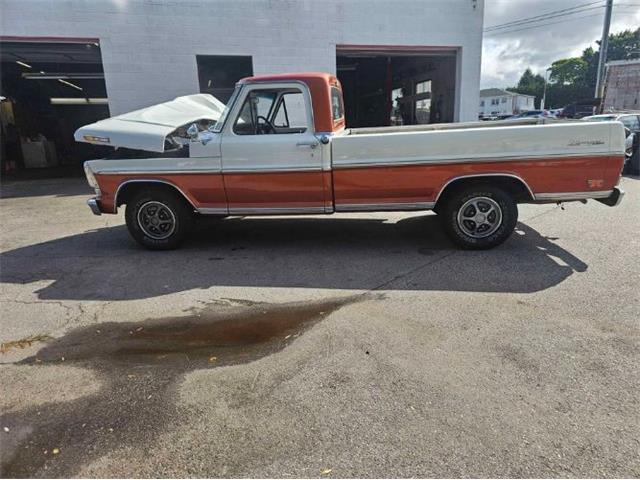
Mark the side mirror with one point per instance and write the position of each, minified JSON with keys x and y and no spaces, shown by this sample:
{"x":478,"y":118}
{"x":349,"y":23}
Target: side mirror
{"x":325,"y":139}
{"x":192,"y":131}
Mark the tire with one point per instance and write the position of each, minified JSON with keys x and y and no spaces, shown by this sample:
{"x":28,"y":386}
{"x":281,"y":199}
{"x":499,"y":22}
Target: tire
{"x":498,"y":215}
{"x":158,"y":219}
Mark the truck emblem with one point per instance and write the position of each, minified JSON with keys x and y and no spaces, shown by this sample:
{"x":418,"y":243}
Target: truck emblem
{"x":578,"y":143}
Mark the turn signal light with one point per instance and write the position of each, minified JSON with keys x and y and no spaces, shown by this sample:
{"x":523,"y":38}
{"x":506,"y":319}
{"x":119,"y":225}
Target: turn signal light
{"x":595,"y":183}
{"x":93,"y":138}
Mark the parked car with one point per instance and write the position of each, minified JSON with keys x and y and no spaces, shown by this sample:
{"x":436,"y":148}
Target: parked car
{"x":531,"y":114}
{"x":580,"y":109}
{"x":280,"y":146}
{"x":631,"y":121}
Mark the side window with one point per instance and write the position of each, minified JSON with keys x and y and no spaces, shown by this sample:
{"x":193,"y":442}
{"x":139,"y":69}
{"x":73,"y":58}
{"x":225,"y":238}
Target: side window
{"x":337,"y":108}
{"x":256,"y":108}
{"x":631,"y":122}
{"x":291,"y":113}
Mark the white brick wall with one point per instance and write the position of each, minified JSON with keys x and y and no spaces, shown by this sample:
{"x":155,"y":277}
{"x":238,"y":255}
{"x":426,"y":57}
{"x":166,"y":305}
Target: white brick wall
{"x":149,"y":46}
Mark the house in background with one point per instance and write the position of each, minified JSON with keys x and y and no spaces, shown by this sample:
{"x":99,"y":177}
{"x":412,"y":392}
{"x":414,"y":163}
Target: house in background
{"x":496,"y":101}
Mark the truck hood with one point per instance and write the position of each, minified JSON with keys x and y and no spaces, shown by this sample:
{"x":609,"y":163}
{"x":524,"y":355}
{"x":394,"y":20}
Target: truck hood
{"x":148,"y":128}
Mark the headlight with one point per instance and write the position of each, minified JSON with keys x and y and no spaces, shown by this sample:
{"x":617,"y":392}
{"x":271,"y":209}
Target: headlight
{"x":91,"y":178}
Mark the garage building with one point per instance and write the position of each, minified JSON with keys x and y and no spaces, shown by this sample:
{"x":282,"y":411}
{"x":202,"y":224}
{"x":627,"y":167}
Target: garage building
{"x":65,"y":64}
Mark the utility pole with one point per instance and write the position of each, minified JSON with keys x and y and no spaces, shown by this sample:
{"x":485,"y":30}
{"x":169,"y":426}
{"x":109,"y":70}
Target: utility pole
{"x":604,"y":44}
{"x":544,"y":91}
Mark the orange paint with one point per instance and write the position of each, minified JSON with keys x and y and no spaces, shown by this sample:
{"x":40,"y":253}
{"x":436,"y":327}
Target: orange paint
{"x":415,"y":183}
{"x":376,"y":185}
{"x":203,"y":190}
{"x":275,"y":189}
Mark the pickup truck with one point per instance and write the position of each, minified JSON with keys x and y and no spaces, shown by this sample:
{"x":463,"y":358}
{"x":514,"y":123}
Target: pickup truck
{"x":280,"y":146}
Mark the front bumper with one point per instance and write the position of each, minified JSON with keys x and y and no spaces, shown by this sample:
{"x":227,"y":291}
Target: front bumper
{"x":94,"y":206}
{"x":614,"y":199}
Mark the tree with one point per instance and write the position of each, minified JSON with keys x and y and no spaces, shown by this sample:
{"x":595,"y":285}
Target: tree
{"x":569,"y":71}
{"x":574,"y":79}
{"x":530,"y":84}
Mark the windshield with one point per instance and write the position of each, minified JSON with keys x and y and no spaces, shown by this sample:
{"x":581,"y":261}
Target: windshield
{"x":217,"y":128}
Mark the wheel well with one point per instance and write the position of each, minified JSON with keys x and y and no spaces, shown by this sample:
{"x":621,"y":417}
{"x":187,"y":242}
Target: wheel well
{"x":511,"y":184}
{"x":127,"y":190}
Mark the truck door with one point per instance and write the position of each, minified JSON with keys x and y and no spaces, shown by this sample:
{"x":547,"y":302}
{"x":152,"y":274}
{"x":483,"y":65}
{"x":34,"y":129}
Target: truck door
{"x":271,"y":160}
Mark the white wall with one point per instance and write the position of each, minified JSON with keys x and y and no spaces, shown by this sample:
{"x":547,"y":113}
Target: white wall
{"x":149,"y":46}
{"x":524,"y":103}
{"x":513,"y":104}
{"x":502,"y":108}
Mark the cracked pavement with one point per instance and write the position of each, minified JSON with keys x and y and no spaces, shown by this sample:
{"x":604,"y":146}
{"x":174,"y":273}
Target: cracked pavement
{"x":363,"y":343}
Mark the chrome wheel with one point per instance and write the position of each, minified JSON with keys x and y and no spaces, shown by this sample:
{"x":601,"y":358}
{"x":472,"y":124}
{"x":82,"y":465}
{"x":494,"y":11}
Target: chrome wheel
{"x":156,"y":220}
{"x":479,"y":217}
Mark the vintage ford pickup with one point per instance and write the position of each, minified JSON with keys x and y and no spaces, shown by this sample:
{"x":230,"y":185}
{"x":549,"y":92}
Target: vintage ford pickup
{"x":280,"y":146}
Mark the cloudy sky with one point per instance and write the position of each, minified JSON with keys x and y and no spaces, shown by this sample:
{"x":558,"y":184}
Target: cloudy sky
{"x":507,"y":53}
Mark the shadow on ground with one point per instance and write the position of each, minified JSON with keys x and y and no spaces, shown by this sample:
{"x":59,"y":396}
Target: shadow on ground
{"x":329,"y":252}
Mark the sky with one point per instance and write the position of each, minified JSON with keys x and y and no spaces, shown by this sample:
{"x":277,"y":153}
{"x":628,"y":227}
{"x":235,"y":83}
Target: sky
{"x":506,"y":54}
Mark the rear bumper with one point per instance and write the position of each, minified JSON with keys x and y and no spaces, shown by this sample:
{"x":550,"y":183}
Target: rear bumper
{"x":94,"y":206}
{"x":614,"y":199}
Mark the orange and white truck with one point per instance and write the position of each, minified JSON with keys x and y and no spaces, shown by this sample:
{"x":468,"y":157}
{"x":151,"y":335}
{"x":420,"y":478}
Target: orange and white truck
{"x":280,"y":146}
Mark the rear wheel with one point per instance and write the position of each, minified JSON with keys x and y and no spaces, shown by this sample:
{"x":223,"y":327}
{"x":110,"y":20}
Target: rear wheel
{"x":479,"y":217}
{"x":158,"y":219}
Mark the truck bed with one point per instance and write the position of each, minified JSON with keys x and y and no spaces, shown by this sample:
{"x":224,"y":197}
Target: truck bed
{"x":456,"y":126}
{"x":475,"y":142}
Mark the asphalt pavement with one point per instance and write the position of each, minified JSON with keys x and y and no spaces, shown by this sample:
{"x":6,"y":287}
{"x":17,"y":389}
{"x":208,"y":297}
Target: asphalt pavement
{"x":359,"y":345}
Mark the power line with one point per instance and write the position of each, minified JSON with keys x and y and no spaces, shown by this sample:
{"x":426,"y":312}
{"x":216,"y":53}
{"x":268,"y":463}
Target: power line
{"x":545,"y":24}
{"x":623,"y":5}
{"x":548,"y":17}
{"x":543,"y":16}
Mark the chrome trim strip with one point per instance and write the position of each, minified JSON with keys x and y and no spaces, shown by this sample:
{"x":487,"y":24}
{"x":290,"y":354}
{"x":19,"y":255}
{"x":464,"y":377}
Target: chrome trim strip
{"x":275,"y":210}
{"x":217,"y":172}
{"x":567,"y":196}
{"x":475,"y":175}
{"x":447,"y":161}
{"x":378,"y":207}
{"x":93,"y":205}
{"x":156,"y":172}
{"x":273,"y":170}
{"x":212,"y":211}
{"x":147,"y":180}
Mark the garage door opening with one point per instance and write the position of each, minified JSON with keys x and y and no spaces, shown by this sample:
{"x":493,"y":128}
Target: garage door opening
{"x":389,"y":86}
{"x":48,"y":90}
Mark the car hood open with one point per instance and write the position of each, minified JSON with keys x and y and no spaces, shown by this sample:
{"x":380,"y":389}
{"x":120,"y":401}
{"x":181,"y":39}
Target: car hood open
{"x":148,"y":128}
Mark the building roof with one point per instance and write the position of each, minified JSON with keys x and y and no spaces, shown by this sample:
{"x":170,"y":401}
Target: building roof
{"x":498,"y":92}
{"x":634,"y":61}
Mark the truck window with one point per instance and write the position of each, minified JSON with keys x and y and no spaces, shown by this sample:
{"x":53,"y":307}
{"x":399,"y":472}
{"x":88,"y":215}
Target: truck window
{"x":276,"y":111}
{"x":291,"y":113}
{"x":631,"y":122}
{"x":337,"y":108}
{"x":255,"y":109}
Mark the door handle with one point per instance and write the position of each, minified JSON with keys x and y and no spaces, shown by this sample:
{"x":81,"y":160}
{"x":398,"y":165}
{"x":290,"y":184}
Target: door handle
{"x":310,"y":143}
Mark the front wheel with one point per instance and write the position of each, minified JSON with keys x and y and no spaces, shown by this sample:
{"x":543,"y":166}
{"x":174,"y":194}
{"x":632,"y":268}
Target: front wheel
{"x":158,"y":219}
{"x":480,"y":217}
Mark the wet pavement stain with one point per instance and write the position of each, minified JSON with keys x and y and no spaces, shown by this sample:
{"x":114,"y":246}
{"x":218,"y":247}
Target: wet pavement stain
{"x":140,"y":366}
